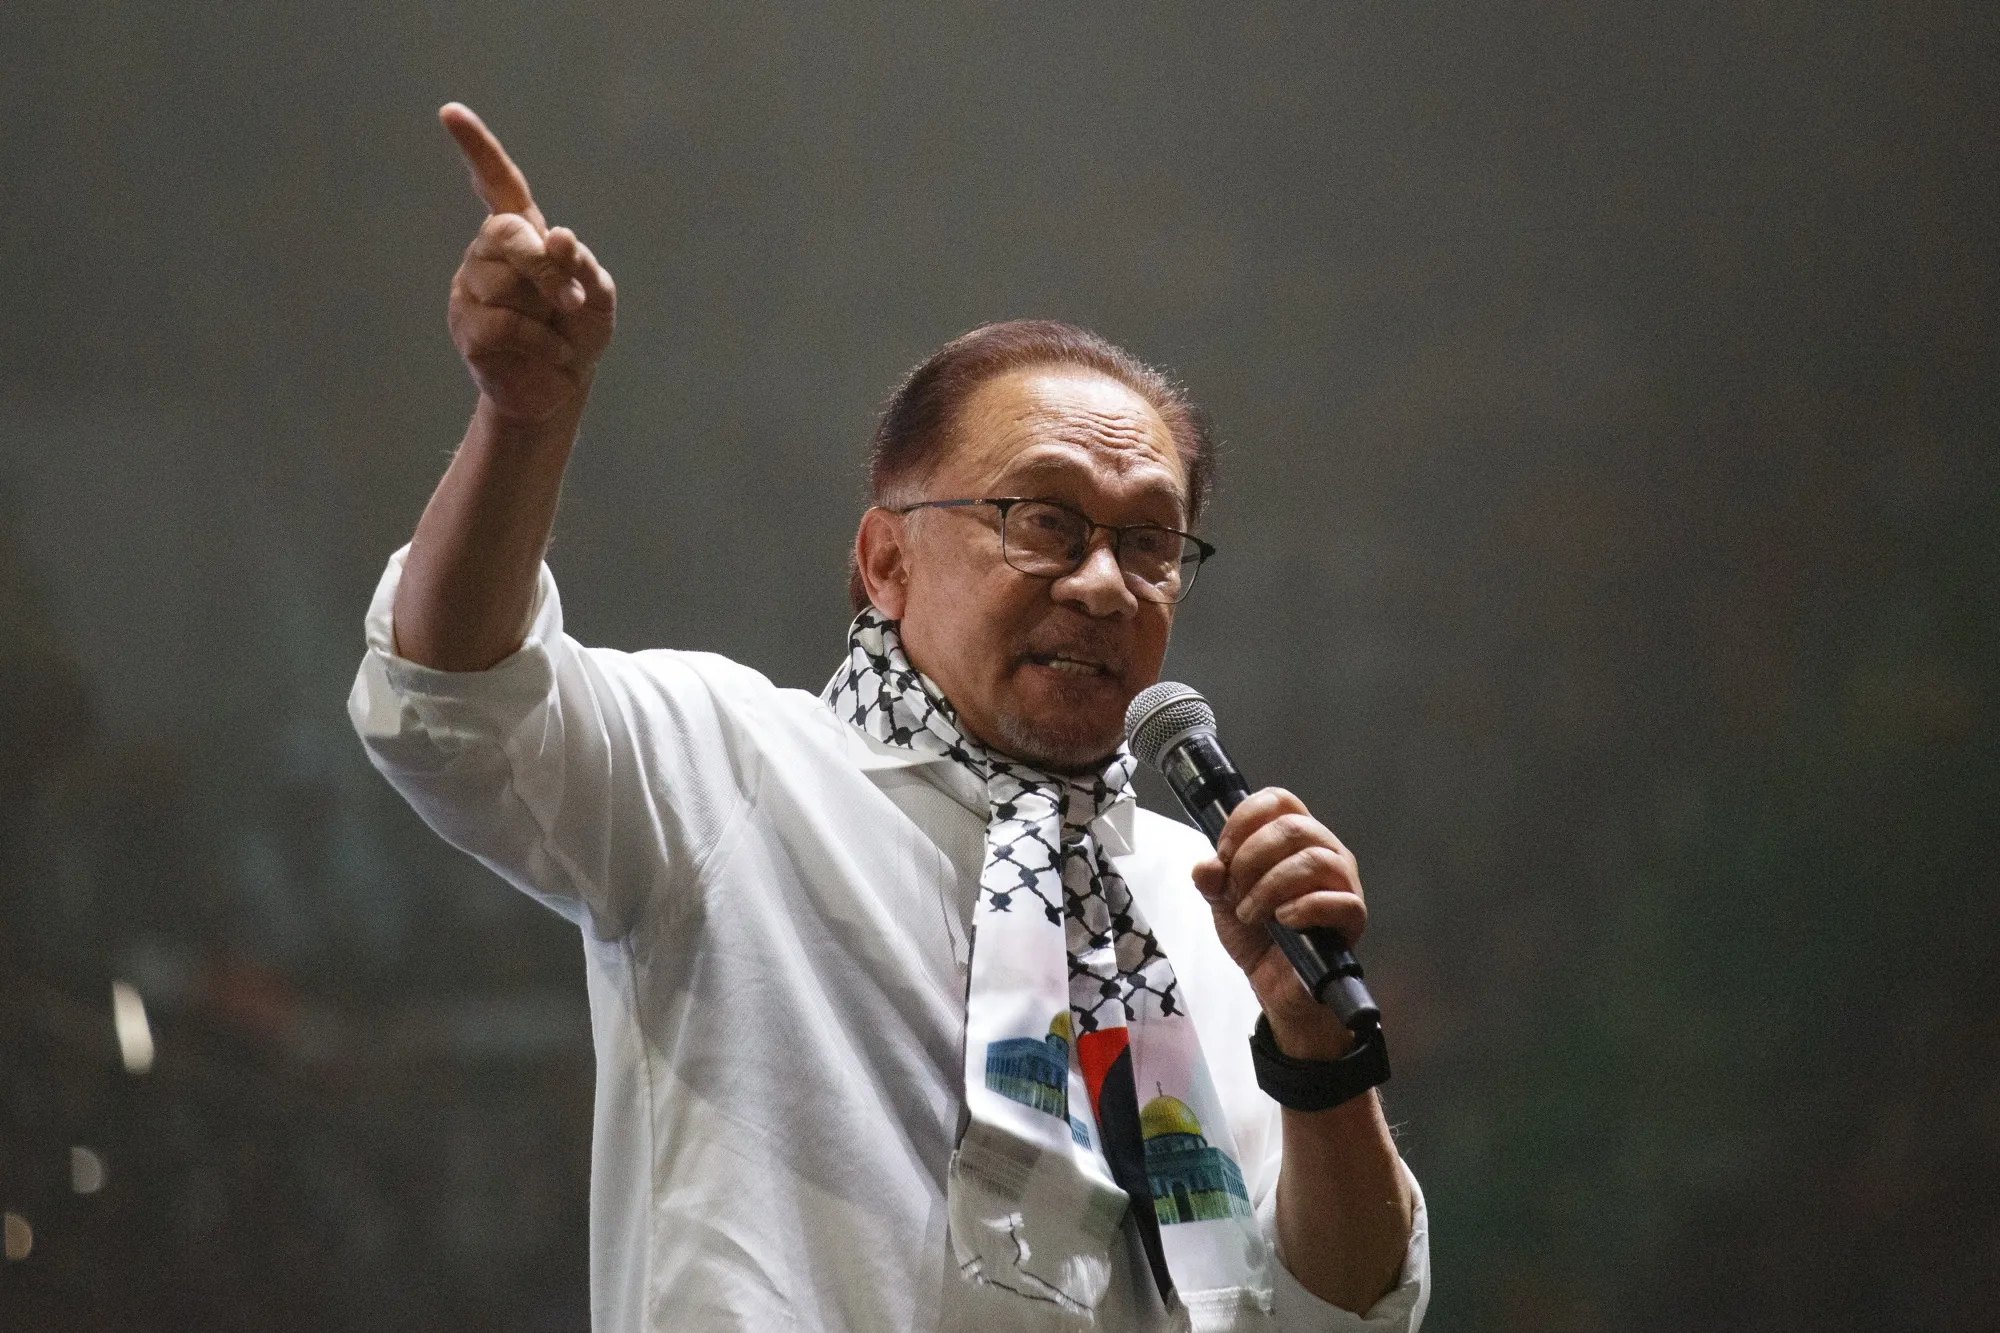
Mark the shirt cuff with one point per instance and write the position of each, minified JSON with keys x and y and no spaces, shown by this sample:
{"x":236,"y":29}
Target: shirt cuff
{"x":392,"y":693}
{"x":1401,"y":1310}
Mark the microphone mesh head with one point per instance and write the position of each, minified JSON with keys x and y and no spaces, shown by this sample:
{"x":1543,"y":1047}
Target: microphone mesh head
{"x":1161,"y":714}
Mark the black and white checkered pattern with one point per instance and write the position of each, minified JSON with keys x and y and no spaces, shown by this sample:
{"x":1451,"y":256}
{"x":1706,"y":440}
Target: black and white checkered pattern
{"x":1039,"y":848}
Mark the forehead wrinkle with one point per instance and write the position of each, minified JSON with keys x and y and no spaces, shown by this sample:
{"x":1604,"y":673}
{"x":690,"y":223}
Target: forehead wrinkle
{"x":1120,"y":440}
{"x":1090,"y":423}
{"x":1059,"y":467}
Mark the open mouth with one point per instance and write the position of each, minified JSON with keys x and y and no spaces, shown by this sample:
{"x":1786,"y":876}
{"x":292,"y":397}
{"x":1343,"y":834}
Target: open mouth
{"x":1068,"y":665}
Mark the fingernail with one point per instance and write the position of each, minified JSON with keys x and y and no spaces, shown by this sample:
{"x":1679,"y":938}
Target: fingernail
{"x":1243,"y":910}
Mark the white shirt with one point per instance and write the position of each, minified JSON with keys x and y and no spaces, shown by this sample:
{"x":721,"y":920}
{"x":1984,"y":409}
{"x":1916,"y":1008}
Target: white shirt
{"x":774,"y":911}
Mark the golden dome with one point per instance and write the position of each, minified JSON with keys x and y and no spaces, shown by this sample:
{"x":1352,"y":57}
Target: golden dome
{"x":1167,"y":1115}
{"x":1059,"y":1026}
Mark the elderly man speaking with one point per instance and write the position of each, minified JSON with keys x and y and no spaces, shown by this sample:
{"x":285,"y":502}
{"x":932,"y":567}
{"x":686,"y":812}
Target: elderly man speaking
{"x":906,"y":1017}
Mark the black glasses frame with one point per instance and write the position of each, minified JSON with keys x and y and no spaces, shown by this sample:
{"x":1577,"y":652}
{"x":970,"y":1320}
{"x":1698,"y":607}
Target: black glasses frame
{"x":1003,"y":503}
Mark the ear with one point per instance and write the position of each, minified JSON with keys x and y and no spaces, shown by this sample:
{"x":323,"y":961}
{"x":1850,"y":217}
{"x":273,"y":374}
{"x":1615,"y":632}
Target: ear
{"x":882,"y":557}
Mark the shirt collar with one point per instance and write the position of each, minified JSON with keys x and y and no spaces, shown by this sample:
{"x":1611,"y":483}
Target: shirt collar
{"x":870,"y":755}
{"x":1113,"y":828}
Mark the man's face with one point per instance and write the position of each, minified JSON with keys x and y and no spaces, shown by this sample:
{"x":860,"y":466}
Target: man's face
{"x":1040,"y":669}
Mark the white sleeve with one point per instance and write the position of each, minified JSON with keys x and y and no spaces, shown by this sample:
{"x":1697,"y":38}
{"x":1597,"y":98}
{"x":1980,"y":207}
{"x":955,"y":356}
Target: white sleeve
{"x":1401,"y":1310}
{"x":595,"y":780}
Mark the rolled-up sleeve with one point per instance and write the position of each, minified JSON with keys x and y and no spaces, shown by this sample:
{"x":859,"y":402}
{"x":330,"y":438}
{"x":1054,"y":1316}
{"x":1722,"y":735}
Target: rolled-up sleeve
{"x":1256,"y":1122}
{"x":1401,"y":1309}
{"x":595,"y":780}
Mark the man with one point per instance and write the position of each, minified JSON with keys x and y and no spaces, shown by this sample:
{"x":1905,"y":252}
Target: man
{"x":898,"y":1001}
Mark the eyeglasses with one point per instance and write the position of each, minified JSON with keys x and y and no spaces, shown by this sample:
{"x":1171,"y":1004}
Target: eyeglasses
{"x":1049,"y":541}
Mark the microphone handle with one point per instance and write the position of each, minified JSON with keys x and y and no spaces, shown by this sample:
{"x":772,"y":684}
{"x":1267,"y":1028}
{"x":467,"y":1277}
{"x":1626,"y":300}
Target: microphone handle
{"x":1209,"y":787}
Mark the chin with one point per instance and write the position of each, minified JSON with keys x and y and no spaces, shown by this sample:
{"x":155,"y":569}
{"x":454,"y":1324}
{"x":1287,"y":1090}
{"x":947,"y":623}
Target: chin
{"x":1058,"y":744}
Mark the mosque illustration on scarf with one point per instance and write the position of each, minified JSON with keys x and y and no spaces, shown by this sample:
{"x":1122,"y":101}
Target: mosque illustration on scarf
{"x":1036,"y":1073}
{"x":1192,"y":1181}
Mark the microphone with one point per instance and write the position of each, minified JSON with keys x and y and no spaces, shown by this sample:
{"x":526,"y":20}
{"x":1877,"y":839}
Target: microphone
{"x":1172,"y":728}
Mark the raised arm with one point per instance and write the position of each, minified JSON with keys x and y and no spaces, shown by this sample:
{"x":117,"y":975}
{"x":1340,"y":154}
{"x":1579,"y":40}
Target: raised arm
{"x":531,"y":311}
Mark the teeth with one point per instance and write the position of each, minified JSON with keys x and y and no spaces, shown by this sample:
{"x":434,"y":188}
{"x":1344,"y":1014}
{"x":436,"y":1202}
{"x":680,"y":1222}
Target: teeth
{"x":1072,"y":666}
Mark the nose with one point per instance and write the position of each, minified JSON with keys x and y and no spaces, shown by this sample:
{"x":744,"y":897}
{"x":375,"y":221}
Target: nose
{"x":1097,"y":586}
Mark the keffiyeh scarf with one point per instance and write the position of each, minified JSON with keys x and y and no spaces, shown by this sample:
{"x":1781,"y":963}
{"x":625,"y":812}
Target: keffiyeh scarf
{"x":1087,"y":1094}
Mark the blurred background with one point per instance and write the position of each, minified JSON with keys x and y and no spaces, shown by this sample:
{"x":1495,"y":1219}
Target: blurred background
{"x":1608,"y":520}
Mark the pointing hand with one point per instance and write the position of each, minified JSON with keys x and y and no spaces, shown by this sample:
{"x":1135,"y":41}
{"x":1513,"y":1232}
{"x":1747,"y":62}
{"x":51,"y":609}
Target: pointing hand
{"x":531,"y":309}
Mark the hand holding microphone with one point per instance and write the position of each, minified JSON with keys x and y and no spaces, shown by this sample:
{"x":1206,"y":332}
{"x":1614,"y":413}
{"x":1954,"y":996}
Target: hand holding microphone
{"x":1281,"y":869}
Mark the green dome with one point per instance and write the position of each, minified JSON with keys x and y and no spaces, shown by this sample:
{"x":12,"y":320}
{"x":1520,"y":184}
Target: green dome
{"x":1167,"y":1115}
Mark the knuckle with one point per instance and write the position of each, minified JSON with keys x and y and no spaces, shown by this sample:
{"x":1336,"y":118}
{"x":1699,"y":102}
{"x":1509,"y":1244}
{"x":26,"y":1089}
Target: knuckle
{"x":524,"y":250}
{"x":1324,"y":863}
{"x":1295,"y":826}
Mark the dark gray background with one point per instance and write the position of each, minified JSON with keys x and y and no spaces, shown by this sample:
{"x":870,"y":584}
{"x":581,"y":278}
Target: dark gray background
{"x":1608,"y":527}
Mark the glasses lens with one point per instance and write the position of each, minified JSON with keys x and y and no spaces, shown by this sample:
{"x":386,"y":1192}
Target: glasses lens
{"x":1159,"y":562}
{"x":1154,"y":554}
{"x":1044,"y":539}
{"x":1048,"y":541}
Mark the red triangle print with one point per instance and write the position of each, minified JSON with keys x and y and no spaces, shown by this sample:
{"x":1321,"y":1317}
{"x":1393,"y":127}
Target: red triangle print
{"x":1096,"y":1052}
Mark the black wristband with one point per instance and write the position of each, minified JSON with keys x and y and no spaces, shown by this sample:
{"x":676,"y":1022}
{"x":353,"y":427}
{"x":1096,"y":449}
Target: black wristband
{"x":1318,"y":1085}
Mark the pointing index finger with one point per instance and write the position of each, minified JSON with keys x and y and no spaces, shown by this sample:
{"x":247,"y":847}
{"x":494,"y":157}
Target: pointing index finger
{"x":499,"y":182}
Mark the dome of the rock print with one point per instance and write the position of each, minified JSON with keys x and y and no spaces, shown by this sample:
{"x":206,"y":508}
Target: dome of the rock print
{"x":1167,"y":1115}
